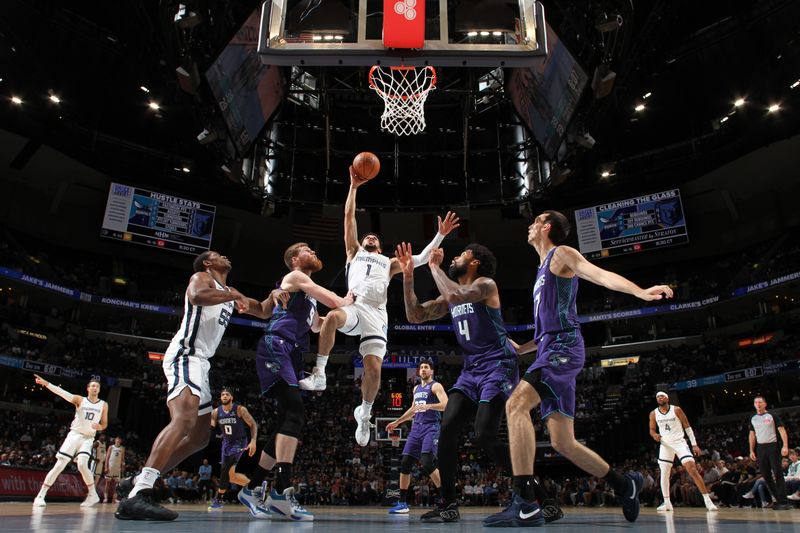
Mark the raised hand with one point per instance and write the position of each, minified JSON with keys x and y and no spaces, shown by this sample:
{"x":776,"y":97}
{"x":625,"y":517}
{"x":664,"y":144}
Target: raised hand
{"x":279,"y":297}
{"x":403,"y":255}
{"x":40,"y":380}
{"x":656,"y":292}
{"x":449,"y":223}
{"x":356,"y":181}
{"x":436,"y":258}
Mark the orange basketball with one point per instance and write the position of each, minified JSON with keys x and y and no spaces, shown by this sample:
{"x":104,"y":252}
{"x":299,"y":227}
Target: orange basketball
{"x":367,"y":165}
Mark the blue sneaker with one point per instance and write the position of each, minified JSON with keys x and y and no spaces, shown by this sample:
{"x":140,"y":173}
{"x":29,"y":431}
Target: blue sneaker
{"x":216,"y":505}
{"x":399,"y":508}
{"x":284,"y":506}
{"x":251,"y":501}
{"x":519,"y":514}
{"x":630,"y":500}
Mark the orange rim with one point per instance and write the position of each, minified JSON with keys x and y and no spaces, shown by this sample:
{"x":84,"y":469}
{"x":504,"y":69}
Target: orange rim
{"x":402,"y":97}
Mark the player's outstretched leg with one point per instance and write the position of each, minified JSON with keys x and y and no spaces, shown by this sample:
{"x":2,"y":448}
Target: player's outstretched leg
{"x":317,"y":381}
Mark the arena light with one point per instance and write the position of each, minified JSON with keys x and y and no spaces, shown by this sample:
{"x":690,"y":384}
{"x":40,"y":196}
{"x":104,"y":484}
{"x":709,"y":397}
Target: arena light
{"x":774,"y":108}
{"x":647,"y":95}
{"x":605,"y":174}
{"x":339,"y":37}
{"x":153,"y":105}
{"x":55,"y":99}
{"x":144,"y":89}
{"x":16,"y":100}
{"x":723,"y":119}
{"x":472,"y":34}
{"x":186,"y":170}
{"x":484,"y":33}
{"x":739,"y":102}
{"x":497,"y":33}
{"x":792,"y":86}
{"x":639,"y":108}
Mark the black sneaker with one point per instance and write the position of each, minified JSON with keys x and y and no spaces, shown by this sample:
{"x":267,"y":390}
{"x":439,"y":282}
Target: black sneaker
{"x":124,"y":487}
{"x":142,"y":507}
{"x":442,"y":513}
{"x":551,"y":510}
{"x":782,"y":507}
{"x":630,"y":500}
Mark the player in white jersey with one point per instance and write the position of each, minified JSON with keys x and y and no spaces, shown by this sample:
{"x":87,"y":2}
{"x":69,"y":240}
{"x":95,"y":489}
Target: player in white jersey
{"x":209,"y":304}
{"x":91,"y":416}
{"x":667,"y":426}
{"x":368,"y":275}
{"x":115,"y":467}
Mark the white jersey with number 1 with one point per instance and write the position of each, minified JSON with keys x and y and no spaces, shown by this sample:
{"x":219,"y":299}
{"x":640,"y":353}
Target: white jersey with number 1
{"x":86,"y":414}
{"x":368,"y":277}
{"x":669,"y":426}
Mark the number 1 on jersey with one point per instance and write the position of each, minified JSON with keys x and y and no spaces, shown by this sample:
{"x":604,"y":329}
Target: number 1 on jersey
{"x":463,"y":329}
{"x":369,"y":267}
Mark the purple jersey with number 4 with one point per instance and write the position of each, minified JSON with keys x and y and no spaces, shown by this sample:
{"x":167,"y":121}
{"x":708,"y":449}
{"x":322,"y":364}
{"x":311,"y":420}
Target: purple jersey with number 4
{"x":554,"y":302}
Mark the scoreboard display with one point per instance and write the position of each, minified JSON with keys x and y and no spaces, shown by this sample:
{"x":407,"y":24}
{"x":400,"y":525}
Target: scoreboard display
{"x":159,"y":220}
{"x":396,"y":402}
{"x":631,"y":225}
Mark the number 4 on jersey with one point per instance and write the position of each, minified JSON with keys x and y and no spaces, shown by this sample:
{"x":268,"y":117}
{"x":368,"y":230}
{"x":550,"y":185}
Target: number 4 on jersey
{"x":463,"y":329}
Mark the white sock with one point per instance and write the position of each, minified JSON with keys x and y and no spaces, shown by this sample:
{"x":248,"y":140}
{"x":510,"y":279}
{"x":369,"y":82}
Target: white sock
{"x":42,"y":492}
{"x":707,"y":498}
{"x":322,"y":360}
{"x":665,"y":470}
{"x":145,"y":480}
{"x":366,"y":408}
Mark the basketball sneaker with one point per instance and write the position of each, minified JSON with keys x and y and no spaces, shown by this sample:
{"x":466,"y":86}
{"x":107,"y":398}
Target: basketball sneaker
{"x":666,"y":506}
{"x":315,"y":381}
{"x":519,"y":514}
{"x":125,"y":486}
{"x":399,"y":508}
{"x":39,"y":502}
{"x":249,"y":498}
{"x":442,"y":513}
{"x":284,"y":506}
{"x":215,"y":505}
{"x":710,"y":506}
{"x":364,"y":425}
{"x":142,"y":507}
{"x":91,"y":499}
{"x":630,"y":500}
{"x":551,"y":510}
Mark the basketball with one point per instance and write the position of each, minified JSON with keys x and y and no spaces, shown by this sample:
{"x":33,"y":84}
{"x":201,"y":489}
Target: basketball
{"x":367,"y":165}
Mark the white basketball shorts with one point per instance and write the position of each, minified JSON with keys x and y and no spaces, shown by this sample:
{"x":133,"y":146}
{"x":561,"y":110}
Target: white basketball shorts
{"x":370,"y":323}
{"x":190,"y":371}
{"x":668,"y":451}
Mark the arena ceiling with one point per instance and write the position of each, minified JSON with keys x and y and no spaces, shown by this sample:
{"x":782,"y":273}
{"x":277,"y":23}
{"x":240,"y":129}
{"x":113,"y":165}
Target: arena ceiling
{"x":694,"y":60}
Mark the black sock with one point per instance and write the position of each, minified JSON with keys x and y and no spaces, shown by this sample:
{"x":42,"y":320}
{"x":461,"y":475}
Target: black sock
{"x":403,"y":495}
{"x":524,"y":487}
{"x":258,"y":477}
{"x":539,"y":490}
{"x":620,"y":484}
{"x":283,"y":477}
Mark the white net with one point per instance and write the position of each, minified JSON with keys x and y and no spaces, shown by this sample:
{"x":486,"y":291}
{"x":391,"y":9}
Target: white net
{"x":404,"y":91}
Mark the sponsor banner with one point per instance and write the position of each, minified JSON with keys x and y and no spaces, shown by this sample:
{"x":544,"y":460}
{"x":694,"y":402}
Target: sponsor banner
{"x":395,"y":360}
{"x":39,"y":367}
{"x":730,"y":376}
{"x":26,"y":482}
{"x":260,"y":324}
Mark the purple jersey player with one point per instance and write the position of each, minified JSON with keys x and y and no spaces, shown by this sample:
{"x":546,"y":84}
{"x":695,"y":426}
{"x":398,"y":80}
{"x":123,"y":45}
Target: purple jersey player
{"x":279,"y":367}
{"x":490,"y":360}
{"x":234,"y":421}
{"x":430,"y":400}
{"x":550,"y":380}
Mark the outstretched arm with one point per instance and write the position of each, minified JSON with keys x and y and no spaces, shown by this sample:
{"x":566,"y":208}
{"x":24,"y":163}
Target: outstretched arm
{"x":265,"y":308}
{"x":585,"y":270}
{"x":447,"y":225}
{"x":350,"y":231}
{"x":408,"y":415}
{"x":416,"y":312}
{"x":298,"y":281}
{"x":58,"y":391}
{"x":203,"y":292}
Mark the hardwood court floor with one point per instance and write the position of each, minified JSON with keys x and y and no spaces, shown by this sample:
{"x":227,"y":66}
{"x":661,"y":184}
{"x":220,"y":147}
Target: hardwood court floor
{"x":68,"y":517}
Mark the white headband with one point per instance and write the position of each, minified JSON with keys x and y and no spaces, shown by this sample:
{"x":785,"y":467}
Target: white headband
{"x":662,"y":393}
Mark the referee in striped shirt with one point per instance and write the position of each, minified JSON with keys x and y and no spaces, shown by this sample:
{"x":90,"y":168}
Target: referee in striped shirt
{"x":764,"y":430}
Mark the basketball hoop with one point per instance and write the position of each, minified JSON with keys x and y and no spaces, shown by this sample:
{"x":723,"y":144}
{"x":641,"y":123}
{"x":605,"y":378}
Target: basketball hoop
{"x":395,"y":438}
{"x":404,"y":91}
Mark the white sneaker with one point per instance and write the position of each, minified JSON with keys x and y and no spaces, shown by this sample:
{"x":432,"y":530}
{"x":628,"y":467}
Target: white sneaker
{"x":251,"y":500}
{"x":39,"y":502}
{"x":315,"y":381}
{"x":748,"y":495}
{"x":91,"y":499}
{"x":363,"y":429}
{"x":794,"y":497}
{"x":285,"y":506}
{"x":666,"y":506}
{"x":710,"y":506}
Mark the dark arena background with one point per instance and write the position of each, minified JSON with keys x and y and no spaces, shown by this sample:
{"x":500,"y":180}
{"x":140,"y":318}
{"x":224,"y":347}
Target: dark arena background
{"x":136,"y":135}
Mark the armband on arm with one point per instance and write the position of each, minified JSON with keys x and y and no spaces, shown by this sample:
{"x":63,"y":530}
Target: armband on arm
{"x":423,"y":256}
{"x":60,"y":392}
{"x":690,"y":433}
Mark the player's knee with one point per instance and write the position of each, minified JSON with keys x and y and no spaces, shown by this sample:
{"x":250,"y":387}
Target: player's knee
{"x":428,"y":464}
{"x":407,"y":464}
{"x":334,"y":320}
{"x":517,"y":405}
{"x":563,"y":445}
{"x":294,"y":420}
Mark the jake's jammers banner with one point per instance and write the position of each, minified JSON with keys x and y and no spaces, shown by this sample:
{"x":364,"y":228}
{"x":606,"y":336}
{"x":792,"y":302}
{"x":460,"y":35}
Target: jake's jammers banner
{"x":631,"y":225}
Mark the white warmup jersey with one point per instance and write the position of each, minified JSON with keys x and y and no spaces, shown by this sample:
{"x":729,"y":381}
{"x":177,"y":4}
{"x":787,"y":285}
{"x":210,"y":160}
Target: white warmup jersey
{"x":115,"y":459}
{"x":201,"y":329}
{"x":368,"y":277}
{"x":669,"y":426}
{"x":86,"y":414}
